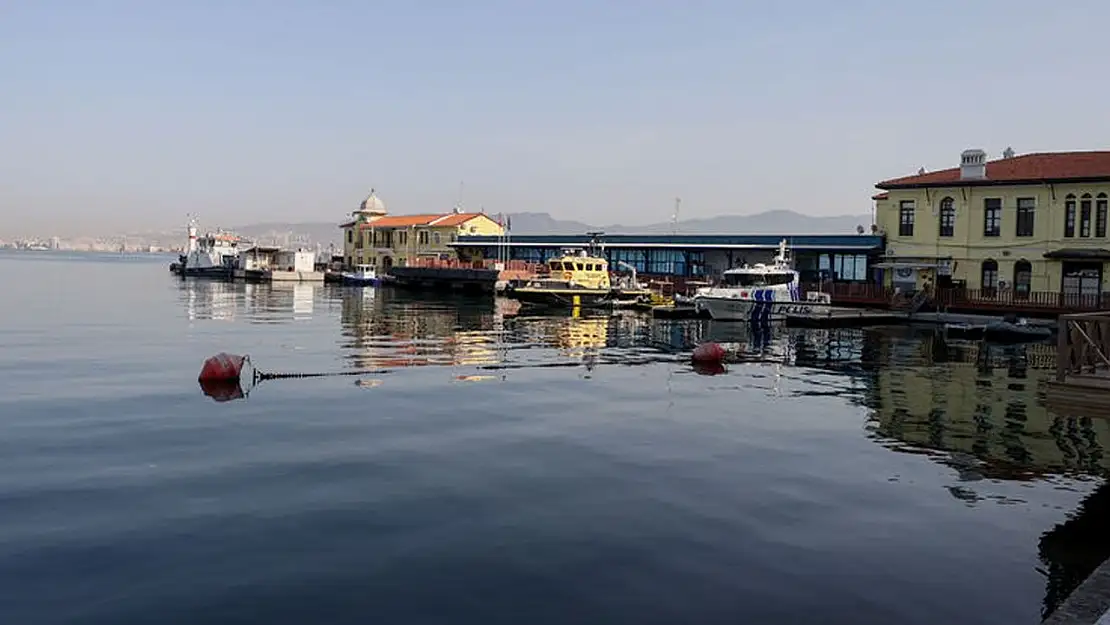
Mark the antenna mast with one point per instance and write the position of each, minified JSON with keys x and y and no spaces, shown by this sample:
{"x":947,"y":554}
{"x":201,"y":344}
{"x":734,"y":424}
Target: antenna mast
{"x":674,"y":217}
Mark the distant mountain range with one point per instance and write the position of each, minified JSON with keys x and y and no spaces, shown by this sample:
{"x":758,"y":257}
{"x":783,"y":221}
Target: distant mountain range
{"x":770,"y":222}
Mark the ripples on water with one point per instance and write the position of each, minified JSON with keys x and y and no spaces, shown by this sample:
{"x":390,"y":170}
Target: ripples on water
{"x":501,"y":468}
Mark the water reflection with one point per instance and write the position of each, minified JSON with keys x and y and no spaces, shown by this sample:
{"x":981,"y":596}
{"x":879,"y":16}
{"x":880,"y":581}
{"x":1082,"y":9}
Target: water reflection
{"x":222,"y":390}
{"x":982,"y":406}
{"x":212,"y":299}
{"x":975,"y":408}
{"x":393,"y":328}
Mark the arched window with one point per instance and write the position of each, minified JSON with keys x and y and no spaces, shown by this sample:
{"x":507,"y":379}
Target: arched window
{"x":1100,"y":215}
{"x":947,"y":217}
{"x":988,"y":280}
{"x":1085,"y":215}
{"x":1023,"y":277}
{"x":1069,"y":216}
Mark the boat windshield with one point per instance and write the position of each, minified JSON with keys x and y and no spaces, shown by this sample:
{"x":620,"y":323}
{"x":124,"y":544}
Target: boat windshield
{"x":757,"y":279}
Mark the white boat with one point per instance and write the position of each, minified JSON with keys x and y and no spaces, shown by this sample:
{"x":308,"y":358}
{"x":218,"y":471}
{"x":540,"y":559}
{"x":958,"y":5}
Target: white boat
{"x":363,"y":275}
{"x":761,"y":293}
{"x":214,"y":255}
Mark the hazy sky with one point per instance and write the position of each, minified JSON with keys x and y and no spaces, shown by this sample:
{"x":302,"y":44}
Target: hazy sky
{"x":129,"y":114}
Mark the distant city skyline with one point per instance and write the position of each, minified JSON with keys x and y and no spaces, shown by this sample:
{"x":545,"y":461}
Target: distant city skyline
{"x":125,"y":116}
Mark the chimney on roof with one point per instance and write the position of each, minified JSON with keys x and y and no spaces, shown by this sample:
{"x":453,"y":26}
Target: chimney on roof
{"x":1008,"y":153}
{"x":973,"y":165}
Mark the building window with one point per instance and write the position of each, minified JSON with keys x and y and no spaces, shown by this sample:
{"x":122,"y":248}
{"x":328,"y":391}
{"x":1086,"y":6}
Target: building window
{"x":1085,"y":216}
{"x":634,"y":257}
{"x":351,"y":236}
{"x":905,"y":218}
{"x":435,"y":238}
{"x":1100,"y":215}
{"x":947,"y":217}
{"x":665,"y":262}
{"x":1025,"y":216}
{"x":992,"y":217}
{"x":422,"y":237}
{"x":1069,"y":216}
{"x":1023,"y":277}
{"x":988,"y":280}
{"x":850,"y":267}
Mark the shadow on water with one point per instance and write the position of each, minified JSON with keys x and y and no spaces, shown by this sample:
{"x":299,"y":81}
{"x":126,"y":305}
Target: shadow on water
{"x":1075,"y":548}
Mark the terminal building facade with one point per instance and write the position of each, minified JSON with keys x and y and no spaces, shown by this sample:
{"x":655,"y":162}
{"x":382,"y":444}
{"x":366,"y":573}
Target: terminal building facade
{"x":838,"y":258}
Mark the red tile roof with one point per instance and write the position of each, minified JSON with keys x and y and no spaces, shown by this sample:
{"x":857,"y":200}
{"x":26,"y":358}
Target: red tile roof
{"x":1036,"y":168}
{"x":401,"y":221}
{"x":880,"y":196}
{"x":456,"y":219}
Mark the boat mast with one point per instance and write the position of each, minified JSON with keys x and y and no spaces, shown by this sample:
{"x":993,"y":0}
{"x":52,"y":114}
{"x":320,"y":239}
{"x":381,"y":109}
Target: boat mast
{"x":781,"y":259}
{"x":191,"y":228}
{"x":595,"y":248}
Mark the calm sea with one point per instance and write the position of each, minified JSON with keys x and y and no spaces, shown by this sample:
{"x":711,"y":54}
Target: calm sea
{"x":500,"y":468}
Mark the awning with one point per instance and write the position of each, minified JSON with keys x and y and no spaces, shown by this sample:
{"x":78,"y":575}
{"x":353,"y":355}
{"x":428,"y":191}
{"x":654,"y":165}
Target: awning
{"x":1079,"y":253}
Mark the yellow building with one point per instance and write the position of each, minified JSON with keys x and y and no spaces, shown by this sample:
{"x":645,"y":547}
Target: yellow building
{"x":375,"y":238}
{"x":1012,"y":226}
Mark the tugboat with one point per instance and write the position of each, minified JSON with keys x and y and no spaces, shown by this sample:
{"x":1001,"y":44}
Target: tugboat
{"x":212,"y":256}
{"x":580,"y":279}
{"x":760,"y":293}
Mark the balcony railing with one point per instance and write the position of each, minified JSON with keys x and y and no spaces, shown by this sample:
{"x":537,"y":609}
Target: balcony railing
{"x":986,"y":300}
{"x":454,"y":263}
{"x":1008,"y":299}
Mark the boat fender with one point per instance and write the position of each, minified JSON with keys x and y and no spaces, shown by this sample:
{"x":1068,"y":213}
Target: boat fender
{"x":222,"y":367}
{"x":708,"y":352}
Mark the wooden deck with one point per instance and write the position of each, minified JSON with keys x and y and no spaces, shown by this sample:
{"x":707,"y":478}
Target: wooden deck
{"x":1082,"y":384}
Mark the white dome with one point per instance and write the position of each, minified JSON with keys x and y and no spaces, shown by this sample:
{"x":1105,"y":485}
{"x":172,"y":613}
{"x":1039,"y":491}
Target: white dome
{"x":372,"y":204}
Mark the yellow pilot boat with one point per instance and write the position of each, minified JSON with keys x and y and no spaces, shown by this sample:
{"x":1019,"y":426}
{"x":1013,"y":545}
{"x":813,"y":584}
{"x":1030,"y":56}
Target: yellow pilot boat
{"x":580,"y":280}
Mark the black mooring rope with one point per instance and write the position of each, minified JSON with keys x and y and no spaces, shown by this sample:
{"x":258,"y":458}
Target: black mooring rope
{"x":262,"y":375}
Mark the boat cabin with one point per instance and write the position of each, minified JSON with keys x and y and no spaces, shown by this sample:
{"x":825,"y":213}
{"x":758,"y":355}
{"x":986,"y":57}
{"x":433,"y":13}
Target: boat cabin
{"x":581,"y":270}
{"x":761,"y":275}
{"x":758,"y":276}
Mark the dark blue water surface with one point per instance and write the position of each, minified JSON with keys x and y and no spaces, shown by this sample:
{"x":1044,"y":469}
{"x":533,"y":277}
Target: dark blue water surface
{"x":502,"y":468}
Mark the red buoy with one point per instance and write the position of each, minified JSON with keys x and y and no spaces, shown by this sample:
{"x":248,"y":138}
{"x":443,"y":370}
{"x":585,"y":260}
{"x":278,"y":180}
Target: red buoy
{"x":708,"y":352}
{"x":222,"y":367}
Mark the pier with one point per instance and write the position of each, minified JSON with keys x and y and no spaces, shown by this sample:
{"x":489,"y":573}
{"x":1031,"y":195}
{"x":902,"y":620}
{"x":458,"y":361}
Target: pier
{"x":451,"y":275}
{"x":465,"y":279}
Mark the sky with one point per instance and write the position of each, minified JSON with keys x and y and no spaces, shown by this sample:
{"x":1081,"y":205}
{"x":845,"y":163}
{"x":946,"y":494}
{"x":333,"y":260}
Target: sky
{"x":126,"y":115}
